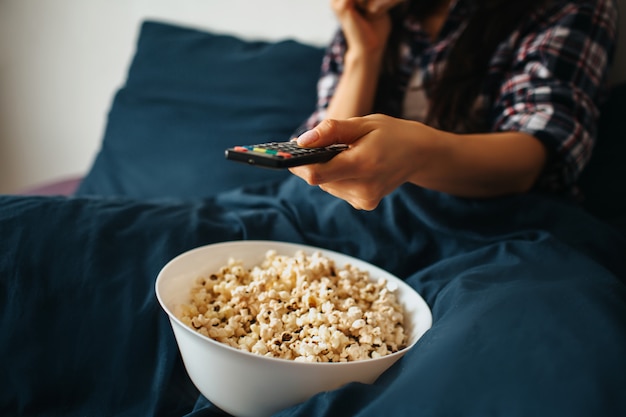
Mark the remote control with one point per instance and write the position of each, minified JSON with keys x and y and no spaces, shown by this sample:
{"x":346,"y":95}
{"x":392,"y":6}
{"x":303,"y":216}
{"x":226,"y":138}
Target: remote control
{"x":282,"y":154}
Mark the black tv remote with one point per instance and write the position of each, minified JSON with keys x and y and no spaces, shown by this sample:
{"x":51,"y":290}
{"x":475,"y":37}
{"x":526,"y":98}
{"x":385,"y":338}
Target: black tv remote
{"x":282,"y":154}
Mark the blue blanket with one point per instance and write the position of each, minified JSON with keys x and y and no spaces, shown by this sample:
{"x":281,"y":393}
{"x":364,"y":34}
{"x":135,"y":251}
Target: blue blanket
{"x":528,"y":295}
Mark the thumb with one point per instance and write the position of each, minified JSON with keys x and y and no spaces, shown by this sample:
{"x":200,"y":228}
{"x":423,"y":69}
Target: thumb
{"x":331,"y":131}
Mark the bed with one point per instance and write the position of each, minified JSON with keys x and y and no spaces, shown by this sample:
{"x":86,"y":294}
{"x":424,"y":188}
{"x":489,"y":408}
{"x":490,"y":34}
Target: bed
{"x":528,"y":293}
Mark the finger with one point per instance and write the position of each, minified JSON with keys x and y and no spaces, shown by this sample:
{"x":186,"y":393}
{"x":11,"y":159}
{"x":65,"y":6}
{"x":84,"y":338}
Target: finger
{"x":331,"y":131}
{"x":375,"y":7}
{"x":339,"y":168}
{"x":341,"y":6}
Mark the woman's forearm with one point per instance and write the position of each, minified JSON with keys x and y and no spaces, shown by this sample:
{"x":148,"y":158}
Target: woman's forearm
{"x":356,"y":90}
{"x":481,"y":165}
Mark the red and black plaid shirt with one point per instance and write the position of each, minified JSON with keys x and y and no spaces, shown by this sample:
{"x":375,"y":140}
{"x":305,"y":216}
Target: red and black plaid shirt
{"x":546,"y":79}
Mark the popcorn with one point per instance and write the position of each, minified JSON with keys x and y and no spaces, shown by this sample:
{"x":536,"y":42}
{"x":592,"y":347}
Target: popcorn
{"x":302,"y":308}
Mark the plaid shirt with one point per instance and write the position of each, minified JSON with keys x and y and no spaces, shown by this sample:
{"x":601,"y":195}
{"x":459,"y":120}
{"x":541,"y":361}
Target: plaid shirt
{"x":546,"y":79}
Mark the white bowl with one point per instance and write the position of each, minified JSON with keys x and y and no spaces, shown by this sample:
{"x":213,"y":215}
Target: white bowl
{"x":247,"y":384}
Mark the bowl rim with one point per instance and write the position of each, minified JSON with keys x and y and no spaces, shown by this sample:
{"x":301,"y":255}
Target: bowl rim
{"x":425,"y":308}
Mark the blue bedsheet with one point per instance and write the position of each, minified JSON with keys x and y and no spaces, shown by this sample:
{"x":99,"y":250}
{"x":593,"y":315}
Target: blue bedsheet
{"x":528,"y":297}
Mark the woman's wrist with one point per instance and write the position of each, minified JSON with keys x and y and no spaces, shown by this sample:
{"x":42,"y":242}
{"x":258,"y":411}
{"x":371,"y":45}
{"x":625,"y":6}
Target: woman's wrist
{"x":427,"y":148}
{"x":369,"y":58}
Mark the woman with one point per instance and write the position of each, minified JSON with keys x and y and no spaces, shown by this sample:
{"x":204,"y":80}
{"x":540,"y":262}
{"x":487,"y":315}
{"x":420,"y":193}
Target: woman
{"x":481,"y":98}
{"x":527,"y":292}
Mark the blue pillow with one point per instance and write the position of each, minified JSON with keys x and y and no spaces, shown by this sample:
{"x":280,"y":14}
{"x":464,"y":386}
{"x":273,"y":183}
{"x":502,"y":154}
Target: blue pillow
{"x":188,"y":96}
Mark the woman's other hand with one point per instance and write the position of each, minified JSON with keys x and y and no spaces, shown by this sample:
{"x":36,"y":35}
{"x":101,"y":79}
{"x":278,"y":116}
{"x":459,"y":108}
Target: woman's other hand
{"x":366,"y":33}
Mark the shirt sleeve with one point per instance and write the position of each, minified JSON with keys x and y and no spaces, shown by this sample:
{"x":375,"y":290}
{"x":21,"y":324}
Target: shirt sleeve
{"x":331,"y":70}
{"x":557,"y":82}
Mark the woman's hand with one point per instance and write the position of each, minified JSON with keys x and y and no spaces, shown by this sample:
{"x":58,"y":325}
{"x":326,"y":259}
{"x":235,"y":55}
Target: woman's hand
{"x":366,"y":33}
{"x":386,"y":152}
{"x":381,"y":157}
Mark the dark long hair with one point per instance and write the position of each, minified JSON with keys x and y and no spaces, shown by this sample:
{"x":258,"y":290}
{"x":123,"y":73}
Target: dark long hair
{"x":455,"y":90}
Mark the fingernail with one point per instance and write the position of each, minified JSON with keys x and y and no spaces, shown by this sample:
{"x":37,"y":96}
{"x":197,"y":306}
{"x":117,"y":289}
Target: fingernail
{"x":307,"y":138}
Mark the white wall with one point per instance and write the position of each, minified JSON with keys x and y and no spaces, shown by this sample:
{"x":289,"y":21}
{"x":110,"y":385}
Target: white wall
{"x":62,"y":60}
